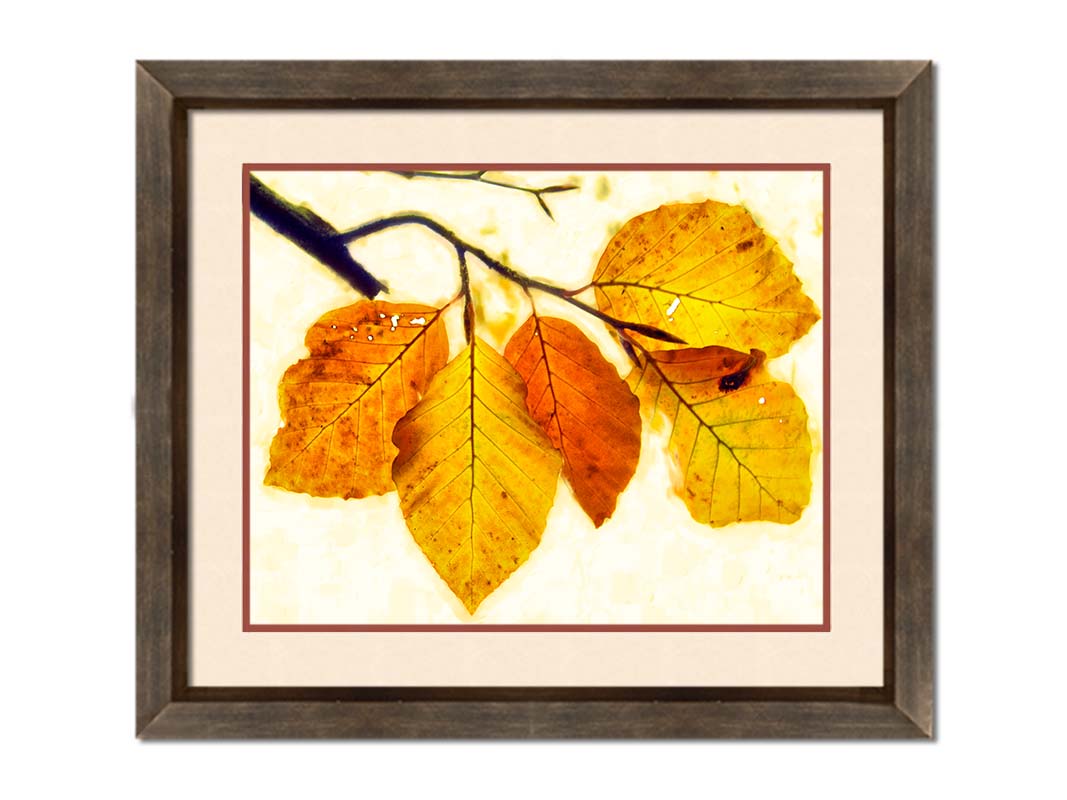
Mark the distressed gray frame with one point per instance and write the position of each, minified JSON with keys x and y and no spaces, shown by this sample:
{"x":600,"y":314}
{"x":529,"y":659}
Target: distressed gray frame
{"x":169,"y":708}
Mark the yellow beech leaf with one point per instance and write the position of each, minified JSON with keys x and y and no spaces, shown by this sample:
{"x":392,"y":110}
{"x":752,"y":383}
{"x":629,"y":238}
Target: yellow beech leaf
{"x":369,"y":363}
{"x":583,"y":405}
{"x":475,"y":473}
{"x":707,"y":273}
{"x":739,"y":439}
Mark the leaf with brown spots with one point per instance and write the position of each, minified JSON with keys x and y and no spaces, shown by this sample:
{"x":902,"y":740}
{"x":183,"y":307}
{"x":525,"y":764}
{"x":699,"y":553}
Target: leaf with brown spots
{"x":368,"y":364}
{"x":583,"y":405}
{"x":738,"y":438}
{"x":707,"y":273}
{"x":475,"y":473}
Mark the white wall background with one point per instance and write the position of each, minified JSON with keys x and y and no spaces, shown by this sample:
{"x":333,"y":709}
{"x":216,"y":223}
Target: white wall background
{"x":66,"y":576}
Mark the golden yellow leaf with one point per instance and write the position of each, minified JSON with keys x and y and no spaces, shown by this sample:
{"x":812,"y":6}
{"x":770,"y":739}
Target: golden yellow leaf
{"x":707,"y":273}
{"x":369,"y":363}
{"x":739,"y":439}
{"x":475,"y":473}
{"x":583,"y":405}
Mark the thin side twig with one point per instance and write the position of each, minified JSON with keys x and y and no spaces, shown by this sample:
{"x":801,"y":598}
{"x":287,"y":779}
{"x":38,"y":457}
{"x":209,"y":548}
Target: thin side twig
{"x":478,"y":176}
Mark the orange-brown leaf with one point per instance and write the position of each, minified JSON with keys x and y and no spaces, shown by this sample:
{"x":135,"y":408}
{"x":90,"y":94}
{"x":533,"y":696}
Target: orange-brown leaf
{"x":707,"y":273}
{"x":739,"y":438}
{"x":369,"y":363}
{"x":475,"y":474}
{"x":583,"y":405}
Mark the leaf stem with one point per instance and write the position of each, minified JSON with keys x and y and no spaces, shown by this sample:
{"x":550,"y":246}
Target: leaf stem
{"x":468,"y":299}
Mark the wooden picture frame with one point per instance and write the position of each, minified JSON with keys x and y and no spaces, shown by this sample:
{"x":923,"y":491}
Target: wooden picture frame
{"x":169,"y":708}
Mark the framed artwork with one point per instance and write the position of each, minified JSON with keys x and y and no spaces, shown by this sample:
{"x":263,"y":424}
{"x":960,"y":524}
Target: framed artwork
{"x":534,"y":399}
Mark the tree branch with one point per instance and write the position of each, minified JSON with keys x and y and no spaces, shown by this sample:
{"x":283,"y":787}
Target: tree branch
{"x":307,"y":230}
{"x":500,"y":268}
{"x":479,"y":177}
{"x":316,"y":236}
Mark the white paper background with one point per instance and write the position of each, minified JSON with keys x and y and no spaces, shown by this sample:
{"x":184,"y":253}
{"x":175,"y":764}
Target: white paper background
{"x":332,"y":561}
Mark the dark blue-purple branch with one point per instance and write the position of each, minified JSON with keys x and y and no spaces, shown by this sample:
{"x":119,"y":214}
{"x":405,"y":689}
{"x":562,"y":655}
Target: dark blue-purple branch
{"x":307,"y":230}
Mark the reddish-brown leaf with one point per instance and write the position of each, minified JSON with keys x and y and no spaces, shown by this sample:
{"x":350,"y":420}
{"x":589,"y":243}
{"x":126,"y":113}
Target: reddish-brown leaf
{"x":583,"y":405}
